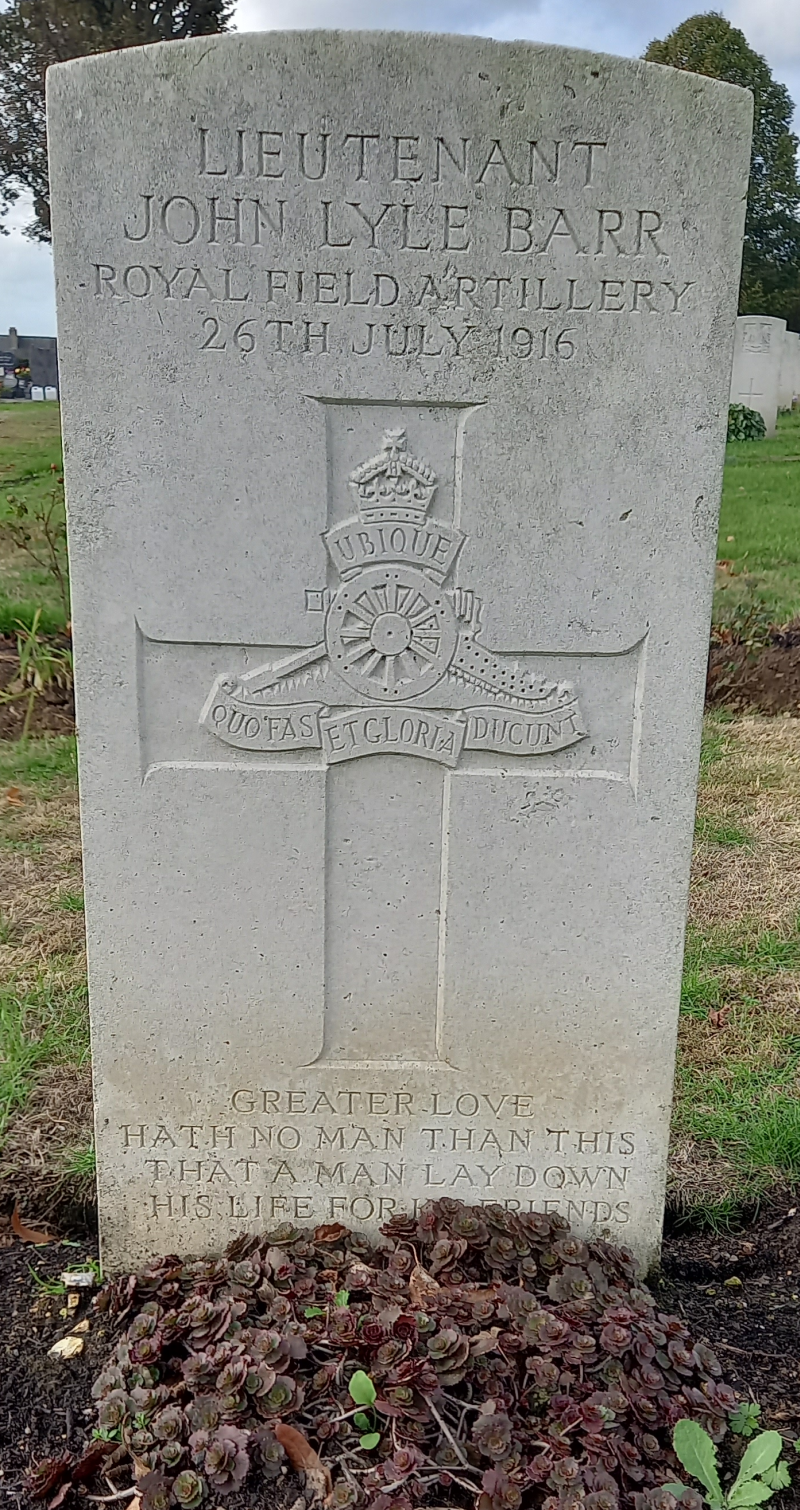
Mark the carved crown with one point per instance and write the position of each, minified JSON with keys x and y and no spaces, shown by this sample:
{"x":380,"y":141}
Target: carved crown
{"x":393,"y":485}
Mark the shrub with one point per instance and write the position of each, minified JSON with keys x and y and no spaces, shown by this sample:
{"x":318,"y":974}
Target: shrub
{"x":473,"y":1347}
{"x":745,"y":424}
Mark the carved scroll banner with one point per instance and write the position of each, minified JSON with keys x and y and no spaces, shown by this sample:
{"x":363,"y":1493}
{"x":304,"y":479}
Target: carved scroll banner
{"x":237,"y":723}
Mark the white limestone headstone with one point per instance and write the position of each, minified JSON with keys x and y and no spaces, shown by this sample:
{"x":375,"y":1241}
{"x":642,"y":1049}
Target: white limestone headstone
{"x":37,"y":394}
{"x":788,"y":388}
{"x":757,"y":358}
{"x":51,"y":393}
{"x":392,"y":562}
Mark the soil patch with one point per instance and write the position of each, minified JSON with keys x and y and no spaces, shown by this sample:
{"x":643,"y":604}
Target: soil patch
{"x":53,"y":709}
{"x":46,"y":1406}
{"x":741,"y":1293}
{"x":764,"y":678}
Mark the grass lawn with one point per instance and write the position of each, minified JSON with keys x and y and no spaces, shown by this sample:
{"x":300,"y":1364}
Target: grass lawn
{"x":30,"y":447}
{"x":759,"y":535}
{"x":737,"y":1109}
{"x":45,"y":1095}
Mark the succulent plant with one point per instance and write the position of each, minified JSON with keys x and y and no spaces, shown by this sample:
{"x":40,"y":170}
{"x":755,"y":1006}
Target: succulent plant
{"x":502,"y":1349}
{"x":188,"y":1490}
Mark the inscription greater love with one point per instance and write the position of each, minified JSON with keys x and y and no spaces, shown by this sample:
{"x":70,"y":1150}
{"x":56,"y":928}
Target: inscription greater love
{"x":278,"y":1154}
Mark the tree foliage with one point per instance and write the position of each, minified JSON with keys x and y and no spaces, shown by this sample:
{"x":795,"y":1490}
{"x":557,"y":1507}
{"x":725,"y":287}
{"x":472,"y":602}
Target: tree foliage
{"x":708,"y":44}
{"x":36,"y":33}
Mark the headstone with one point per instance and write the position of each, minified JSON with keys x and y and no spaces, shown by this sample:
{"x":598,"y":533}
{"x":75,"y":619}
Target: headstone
{"x":789,"y":384}
{"x":757,"y":357}
{"x":37,"y":394}
{"x":51,"y":393}
{"x":391,"y":565}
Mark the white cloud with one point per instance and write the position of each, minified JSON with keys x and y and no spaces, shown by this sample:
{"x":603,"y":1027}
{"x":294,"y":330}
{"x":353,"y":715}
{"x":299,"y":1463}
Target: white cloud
{"x":399,"y":15}
{"x":771,"y":27}
{"x":27,"y":290}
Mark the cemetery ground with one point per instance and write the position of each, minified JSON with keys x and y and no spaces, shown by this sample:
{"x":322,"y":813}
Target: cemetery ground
{"x":731,"y":1262}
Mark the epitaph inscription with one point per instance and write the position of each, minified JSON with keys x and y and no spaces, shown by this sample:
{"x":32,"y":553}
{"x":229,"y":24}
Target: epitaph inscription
{"x":394,"y":634}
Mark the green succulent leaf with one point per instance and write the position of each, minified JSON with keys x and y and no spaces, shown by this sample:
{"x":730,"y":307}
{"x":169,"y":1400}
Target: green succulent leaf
{"x":313,"y":1311}
{"x":370,"y":1440}
{"x":362,"y":1421}
{"x":698,"y":1455}
{"x":342,"y":1297}
{"x":763,"y":1452}
{"x":361,"y":1388}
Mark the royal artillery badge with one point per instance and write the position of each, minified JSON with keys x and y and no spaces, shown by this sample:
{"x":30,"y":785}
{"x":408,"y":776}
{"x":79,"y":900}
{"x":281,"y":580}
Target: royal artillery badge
{"x":402,"y":668}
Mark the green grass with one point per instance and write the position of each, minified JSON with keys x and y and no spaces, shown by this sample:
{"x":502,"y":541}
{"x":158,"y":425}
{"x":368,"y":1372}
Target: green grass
{"x":746,"y":948}
{"x":30,"y":447}
{"x":70,"y":901}
{"x":40,"y":1025}
{"x":39,"y":763}
{"x":713,"y":831}
{"x":736,"y":1117}
{"x":754,"y":1115}
{"x":79,"y":1161}
{"x":43,"y":999}
{"x":761,"y":512}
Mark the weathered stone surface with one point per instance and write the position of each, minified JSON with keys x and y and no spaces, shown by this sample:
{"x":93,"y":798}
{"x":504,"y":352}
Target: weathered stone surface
{"x":789,"y":381}
{"x":395,"y":375}
{"x":757,"y":357}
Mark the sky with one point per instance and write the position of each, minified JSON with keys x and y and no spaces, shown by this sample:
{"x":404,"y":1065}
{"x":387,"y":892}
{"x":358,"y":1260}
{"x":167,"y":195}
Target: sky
{"x":625,"y":27}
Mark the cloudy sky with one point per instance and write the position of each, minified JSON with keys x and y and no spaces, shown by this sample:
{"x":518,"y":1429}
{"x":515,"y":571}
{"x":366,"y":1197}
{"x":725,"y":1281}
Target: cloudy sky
{"x":618,"y":26}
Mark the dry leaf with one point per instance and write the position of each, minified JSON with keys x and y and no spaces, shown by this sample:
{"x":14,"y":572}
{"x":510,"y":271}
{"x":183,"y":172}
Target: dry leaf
{"x":305,"y":1460}
{"x":484,"y":1342}
{"x":421,"y":1287}
{"x":73,"y":1301}
{"x":140,"y":1468}
{"x":27,"y":1234}
{"x":329,"y":1233}
{"x":67,"y":1347}
{"x":14,"y":797}
{"x":83,"y":1326}
{"x":59,"y":1498}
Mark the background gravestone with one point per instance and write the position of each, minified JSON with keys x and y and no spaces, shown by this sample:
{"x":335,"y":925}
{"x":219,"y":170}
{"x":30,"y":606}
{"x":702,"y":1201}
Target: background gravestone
{"x":392,"y":560}
{"x":790,"y":370}
{"x":757,"y":357}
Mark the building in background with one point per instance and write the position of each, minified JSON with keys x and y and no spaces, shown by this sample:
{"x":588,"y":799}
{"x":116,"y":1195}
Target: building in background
{"x":26,"y":362}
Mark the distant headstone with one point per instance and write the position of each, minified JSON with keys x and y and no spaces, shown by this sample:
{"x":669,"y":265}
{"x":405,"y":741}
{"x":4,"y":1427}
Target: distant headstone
{"x":757,"y":357}
{"x":51,"y":393}
{"x":391,"y":639}
{"x":37,"y":394}
{"x":788,"y":388}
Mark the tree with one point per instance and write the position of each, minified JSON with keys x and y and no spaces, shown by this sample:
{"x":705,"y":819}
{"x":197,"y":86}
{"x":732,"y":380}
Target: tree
{"x":771,"y":265}
{"x":36,"y":33}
